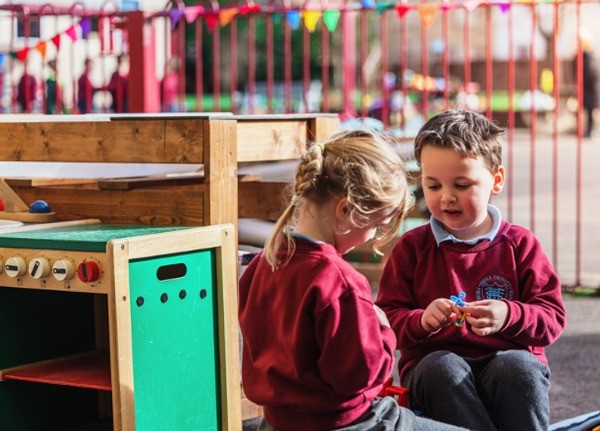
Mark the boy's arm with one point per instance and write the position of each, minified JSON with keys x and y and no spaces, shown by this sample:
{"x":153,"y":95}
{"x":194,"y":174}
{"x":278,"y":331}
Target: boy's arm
{"x":538,"y":316}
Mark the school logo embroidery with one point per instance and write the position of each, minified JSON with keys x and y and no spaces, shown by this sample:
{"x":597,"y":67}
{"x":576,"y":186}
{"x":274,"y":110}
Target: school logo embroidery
{"x":494,"y":287}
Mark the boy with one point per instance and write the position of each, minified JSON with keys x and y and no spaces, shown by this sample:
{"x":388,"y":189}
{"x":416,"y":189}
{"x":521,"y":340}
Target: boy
{"x":490,"y":372}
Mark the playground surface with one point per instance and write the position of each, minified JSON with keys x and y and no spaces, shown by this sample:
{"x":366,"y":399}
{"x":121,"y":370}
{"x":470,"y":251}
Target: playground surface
{"x":575,"y":360}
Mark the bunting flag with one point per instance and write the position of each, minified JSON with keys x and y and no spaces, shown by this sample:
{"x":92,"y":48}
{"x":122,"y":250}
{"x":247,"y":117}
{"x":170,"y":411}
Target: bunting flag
{"x":56,"y":41}
{"x":293,"y":19}
{"x":471,"y":5}
{"x":175,"y":15}
{"x":192,"y":12}
{"x":22,"y":54}
{"x":369,"y":4}
{"x":311,"y":17}
{"x":71,"y":33}
{"x":41,"y":48}
{"x":504,"y":7}
{"x":401,"y":9}
{"x":86,"y":26}
{"x":226,"y":16}
{"x":427,"y":13}
{"x":382,"y":7}
{"x":211,"y":19}
{"x":1,"y":60}
{"x":331,"y":19}
{"x":246,"y":9}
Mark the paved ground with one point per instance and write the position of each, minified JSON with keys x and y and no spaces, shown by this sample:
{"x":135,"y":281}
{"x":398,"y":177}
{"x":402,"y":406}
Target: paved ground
{"x":575,"y":361}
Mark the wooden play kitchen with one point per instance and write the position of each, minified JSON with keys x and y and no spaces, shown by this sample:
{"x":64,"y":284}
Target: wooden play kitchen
{"x":123,"y":313}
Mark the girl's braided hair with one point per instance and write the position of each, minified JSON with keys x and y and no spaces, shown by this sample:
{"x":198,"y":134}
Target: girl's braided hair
{"x":359,"y":165}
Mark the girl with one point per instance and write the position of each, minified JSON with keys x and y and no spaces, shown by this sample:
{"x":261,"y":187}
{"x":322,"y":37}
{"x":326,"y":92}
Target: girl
{"x":316,"y":350}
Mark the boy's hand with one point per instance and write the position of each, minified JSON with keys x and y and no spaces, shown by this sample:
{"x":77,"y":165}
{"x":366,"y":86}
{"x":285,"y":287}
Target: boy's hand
{"x":383,"y":320}
{"x":486,"y":317}
{"x":440,"y":313}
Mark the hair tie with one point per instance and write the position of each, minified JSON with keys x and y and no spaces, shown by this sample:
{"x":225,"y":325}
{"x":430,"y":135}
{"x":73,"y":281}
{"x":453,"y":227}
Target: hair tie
{"x":322,"y":147}
{"x":295,"y":200}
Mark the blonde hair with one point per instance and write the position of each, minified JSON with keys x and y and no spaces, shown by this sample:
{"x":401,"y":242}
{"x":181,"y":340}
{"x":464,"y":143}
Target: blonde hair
{"x":359,"y":165}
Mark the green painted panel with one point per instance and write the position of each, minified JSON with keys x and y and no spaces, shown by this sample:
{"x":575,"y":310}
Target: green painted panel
{"x":91,"y":237}
{"x":175,"y":343}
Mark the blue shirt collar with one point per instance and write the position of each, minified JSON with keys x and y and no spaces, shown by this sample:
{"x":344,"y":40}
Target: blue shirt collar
{"x":441,"y":234}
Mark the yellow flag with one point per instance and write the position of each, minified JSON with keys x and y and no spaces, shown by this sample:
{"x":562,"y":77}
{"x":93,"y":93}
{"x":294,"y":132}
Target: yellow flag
{"x":311,"y":17}
{"x":226,"y":16}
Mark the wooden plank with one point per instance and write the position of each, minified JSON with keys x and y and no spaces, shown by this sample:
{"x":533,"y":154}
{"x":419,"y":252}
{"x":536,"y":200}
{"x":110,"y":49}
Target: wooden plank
{"x":184,"y":140}
{"x":321,"y":128}
{"x":129,"y":183}
{"x":133,"y":141}
{"x":220,"y":169}
{"x":261,"y":200}
{"x":177,"y":205}
{"x":271,"y":140}
{"x":12,"y":202}
{"x":41,"y":182}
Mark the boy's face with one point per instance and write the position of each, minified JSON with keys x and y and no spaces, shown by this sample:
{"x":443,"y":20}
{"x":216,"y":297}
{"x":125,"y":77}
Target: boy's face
{"x":458,"y":189}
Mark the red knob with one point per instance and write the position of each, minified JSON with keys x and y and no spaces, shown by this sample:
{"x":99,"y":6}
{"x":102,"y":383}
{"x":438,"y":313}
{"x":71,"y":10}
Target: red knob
{"x":88,"y":271}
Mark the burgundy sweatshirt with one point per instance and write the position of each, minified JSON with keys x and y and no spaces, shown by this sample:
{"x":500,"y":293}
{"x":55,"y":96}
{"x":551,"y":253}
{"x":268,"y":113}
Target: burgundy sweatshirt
{"x":512,"y":267}
{"x":314,"y":352}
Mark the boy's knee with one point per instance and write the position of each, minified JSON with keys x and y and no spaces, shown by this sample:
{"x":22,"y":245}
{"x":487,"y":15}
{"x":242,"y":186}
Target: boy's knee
{"x":520,"y":366}
{"x":443,"y":366}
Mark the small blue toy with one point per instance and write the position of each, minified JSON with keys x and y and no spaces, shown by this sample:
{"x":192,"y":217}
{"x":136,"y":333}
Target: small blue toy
{"x":39,"y":207}
{"x":458,"y":301}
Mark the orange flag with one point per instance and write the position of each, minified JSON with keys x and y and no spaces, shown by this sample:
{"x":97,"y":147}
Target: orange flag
{"x":41,"y":47}
{"x":427,"y":13}
{"x":226,"y":16}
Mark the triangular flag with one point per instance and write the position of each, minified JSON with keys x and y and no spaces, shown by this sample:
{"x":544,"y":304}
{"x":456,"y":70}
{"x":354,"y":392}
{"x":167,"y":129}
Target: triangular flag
{"x":226,"y":16}
{"x":401,"y":9}
{"x":41,"y":47}
{"x":471,"y":5}
{"x":504,"y":7}
{"x":249,"y":8}
{"x":369,"y":4}
{"x":311,"y":17}
{"x":382,"y":7}
{"x":56,"y":41}
{"x":330,"y":19}
{"x":449,"y":6}
{"x":71,"y":33}
{"x":175,"y":15}
{"x":192,"y":12}
{"x":13,"y":55}
{"x":1,"y":60}
{"x":293,"y":19}
{"x":86,"y":26}
{"x":22,"y":54}
{"x":211,"y":20}
{"x":427,"y":13}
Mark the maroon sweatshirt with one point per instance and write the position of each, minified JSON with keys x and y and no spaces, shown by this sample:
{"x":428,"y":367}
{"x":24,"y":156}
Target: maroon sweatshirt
{"x":512,"y":267}
{"x":314,"y":352}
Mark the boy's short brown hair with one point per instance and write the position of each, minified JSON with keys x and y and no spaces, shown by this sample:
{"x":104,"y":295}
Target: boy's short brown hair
{"x":469,"y":133}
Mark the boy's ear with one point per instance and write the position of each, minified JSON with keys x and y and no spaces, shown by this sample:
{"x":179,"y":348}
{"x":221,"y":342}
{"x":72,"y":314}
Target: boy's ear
{"x":499,"y":177}
{"x":342,"y":209}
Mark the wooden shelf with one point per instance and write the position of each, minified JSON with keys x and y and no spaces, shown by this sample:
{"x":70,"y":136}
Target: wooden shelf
{"x":87,"y":370}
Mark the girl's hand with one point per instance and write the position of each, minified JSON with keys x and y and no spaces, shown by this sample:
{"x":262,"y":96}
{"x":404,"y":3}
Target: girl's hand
{"x":440,"y":313}
{"x":486,"y":317}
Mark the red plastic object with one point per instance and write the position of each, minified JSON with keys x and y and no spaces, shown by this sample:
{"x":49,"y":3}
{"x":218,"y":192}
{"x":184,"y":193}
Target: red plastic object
{"x":1,"y":205}
{"x":399,"y":392}
{"x":88,"y":271}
